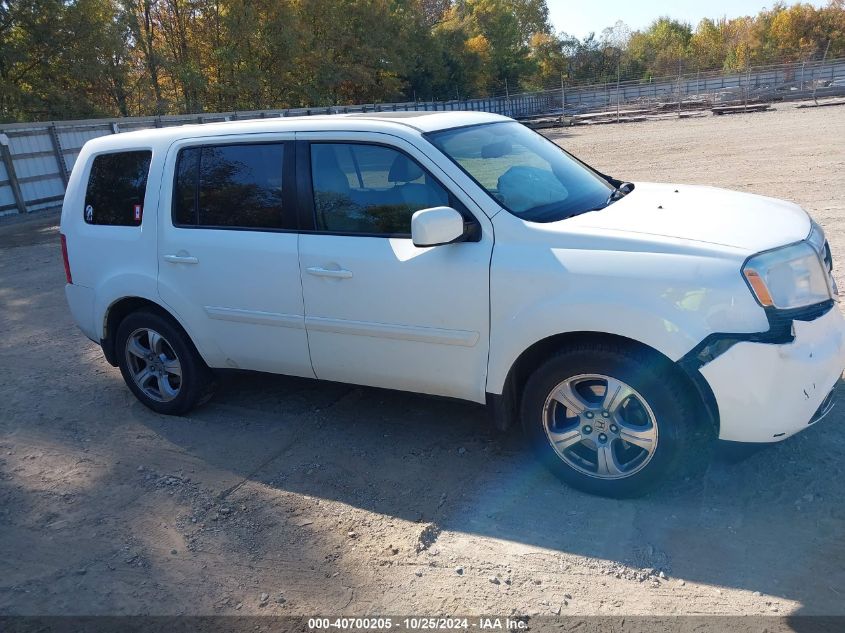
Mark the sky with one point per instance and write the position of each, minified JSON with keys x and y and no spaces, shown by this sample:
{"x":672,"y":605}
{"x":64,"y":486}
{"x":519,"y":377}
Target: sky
{"x":579,"y":18}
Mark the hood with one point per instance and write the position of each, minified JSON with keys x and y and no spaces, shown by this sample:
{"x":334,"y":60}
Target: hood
{"x":703,"y":214}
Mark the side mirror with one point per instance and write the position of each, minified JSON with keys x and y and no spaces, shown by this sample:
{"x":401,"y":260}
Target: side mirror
{"x":436,"y":226}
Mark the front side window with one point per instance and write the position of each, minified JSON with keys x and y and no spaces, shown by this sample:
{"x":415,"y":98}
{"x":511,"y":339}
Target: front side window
{"x":230,"y":186}
{"x":526,"y":173}
{"x":370,"y":189}
{"x":116,"y":188}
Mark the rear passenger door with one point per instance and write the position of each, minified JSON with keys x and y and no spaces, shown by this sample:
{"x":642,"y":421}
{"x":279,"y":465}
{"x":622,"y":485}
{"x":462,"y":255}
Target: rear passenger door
{"x":380,"y":311}
{"x":228,"y":262}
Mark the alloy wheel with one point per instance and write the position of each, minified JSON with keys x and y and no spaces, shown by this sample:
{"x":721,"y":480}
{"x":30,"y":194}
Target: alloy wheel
{"x":153,"y":364}
{"x":600,"y":426}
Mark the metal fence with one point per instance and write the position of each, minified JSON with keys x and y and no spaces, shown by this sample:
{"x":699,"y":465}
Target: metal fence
{"x":36,"y":158}
{"x":781,"y":82}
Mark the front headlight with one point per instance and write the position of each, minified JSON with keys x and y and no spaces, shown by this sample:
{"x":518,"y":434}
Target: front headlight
{"x":788,"y":277}
{"x":818,"y":241}
{"x":816,"y":237}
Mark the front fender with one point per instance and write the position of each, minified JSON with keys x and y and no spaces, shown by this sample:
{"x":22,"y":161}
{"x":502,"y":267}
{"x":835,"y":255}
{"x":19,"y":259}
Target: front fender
{"x":658,"y":332}
{"x":667,"y":301}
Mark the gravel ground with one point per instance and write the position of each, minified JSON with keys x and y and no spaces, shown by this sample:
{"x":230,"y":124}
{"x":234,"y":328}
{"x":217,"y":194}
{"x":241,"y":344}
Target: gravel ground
{"x":290,"y":496}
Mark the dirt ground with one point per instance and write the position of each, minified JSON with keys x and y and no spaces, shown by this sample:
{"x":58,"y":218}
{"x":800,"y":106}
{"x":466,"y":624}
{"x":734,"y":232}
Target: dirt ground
{"x":290,"y":496}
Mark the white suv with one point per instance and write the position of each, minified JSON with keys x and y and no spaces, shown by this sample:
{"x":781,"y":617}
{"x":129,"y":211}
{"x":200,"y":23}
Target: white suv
{"x":462,"y":255}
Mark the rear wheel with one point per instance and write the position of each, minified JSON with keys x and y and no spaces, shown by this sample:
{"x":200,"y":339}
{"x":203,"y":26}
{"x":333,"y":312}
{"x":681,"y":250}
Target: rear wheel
{"x":608,"y":419}
{"x":160,"y":365}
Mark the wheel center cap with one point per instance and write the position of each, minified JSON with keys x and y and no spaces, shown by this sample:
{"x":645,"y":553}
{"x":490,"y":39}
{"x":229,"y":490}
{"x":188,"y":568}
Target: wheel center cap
{"x":599,"y":424}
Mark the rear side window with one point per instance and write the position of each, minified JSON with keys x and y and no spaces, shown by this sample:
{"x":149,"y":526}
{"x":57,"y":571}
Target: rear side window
{"x":116,"y":187}
{"x":230,"y":186}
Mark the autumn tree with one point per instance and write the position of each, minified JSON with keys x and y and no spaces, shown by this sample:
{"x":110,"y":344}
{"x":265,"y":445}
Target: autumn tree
{"x":64,"y":59}
{"x":707,"y":46}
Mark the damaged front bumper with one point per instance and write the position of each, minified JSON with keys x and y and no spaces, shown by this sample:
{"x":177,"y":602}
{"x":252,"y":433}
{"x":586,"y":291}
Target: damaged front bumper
{"x":767,"y":392}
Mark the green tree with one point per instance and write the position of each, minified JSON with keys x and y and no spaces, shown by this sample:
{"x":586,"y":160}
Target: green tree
{"x":62,"y":60}
{"x":661,"y":47}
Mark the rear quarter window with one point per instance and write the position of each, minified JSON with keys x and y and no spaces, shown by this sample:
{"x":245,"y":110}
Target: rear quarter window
{"x":116,"y":188}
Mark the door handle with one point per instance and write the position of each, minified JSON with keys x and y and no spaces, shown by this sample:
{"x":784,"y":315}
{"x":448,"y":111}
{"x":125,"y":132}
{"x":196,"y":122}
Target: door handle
{"x":181,"y":259}
{"x":337,"y":273}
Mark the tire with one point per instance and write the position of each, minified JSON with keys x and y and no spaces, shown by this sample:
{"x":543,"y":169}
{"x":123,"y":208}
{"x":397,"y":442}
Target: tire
{"x":176,"y":378}
{"x":622,"y":443}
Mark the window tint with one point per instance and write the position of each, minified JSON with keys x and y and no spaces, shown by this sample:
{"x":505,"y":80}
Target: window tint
{"x":116,"y":187}
{"x":369,"y":189}
{"x":185,"y":188}
{"x":230,"y":186}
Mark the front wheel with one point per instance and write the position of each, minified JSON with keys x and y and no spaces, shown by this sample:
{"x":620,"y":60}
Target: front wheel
{"x":607,"y":419}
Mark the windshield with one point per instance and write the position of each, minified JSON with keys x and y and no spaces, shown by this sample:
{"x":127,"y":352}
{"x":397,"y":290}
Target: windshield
{"x":527,"y":174}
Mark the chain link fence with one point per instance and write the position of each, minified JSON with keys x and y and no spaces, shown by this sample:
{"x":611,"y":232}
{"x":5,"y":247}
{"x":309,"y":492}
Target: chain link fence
{"x":711,"y":89}
{"x":36,"y":158}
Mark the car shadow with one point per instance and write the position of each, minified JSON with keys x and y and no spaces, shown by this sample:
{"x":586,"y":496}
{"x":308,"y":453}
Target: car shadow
{"x":772,"y":523}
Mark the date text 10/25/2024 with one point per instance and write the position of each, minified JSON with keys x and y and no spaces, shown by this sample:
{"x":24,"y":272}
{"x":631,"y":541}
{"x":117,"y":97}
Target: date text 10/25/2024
{"x":418,"y":624}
